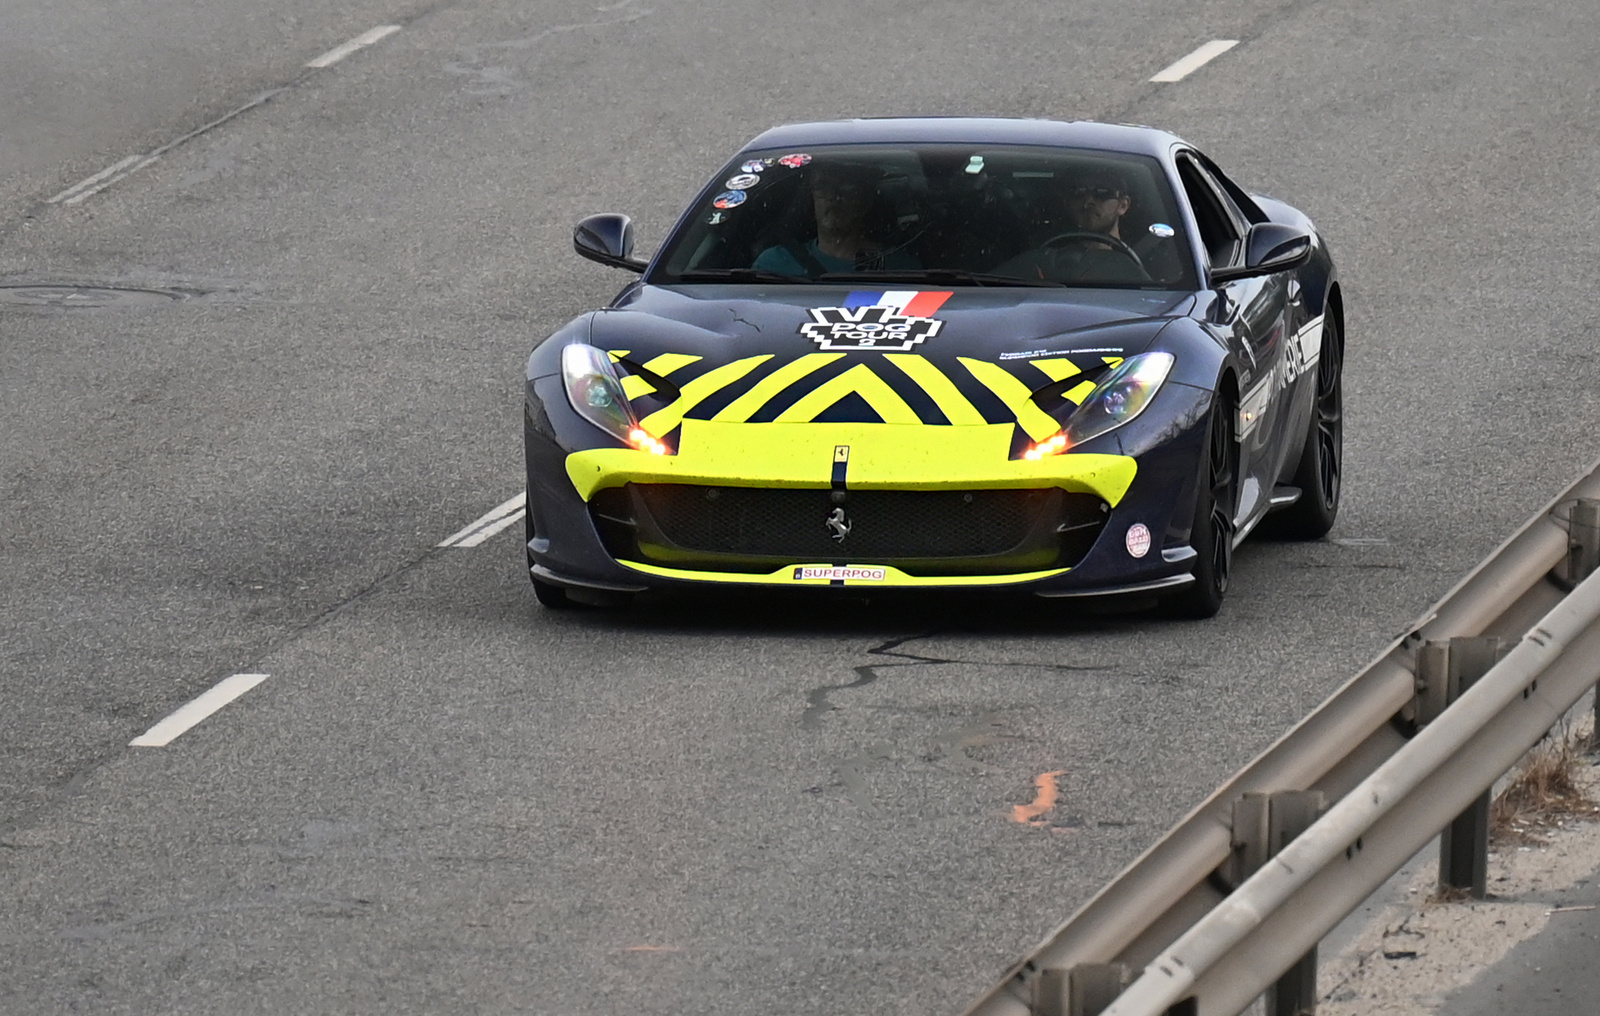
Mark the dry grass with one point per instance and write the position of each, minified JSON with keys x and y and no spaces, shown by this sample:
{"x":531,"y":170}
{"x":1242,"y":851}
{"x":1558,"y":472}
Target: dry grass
{"x":1548,"y":786}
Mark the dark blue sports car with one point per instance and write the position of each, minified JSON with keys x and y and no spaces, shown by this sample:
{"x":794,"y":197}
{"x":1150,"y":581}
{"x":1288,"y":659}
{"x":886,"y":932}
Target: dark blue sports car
{"x":1074,"y":358}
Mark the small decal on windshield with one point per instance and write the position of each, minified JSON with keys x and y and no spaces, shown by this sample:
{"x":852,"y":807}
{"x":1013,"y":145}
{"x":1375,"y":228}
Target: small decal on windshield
{"x":794,"y":161}
{"x":754,"y":166}
{"x":717,"y":219}
{"x":1161,"y":229}
{"x":729,"y":199}
{"x":742,"y":182}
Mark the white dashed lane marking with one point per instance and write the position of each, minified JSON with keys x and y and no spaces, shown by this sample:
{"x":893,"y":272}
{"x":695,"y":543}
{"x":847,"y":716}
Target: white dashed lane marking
{"x":90,"y":186}
{"x":1196,"y":60}
{"x":361,"y":41}
{"x":500,"y":517}
{"x":174,"y":726}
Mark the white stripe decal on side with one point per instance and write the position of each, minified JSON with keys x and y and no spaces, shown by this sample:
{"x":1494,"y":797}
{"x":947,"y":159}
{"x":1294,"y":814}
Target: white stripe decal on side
{"x":1310,"y":339}
{"x":1253,"y":405}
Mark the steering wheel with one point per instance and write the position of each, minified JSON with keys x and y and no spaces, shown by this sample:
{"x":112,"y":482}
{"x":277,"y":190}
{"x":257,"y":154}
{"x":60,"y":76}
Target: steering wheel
{"x":1089,"y":237}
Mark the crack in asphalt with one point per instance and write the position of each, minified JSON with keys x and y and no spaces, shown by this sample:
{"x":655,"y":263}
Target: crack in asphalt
{"x":851,"y":771}
{"x":818,"y":705}
{"x":497,"y":80}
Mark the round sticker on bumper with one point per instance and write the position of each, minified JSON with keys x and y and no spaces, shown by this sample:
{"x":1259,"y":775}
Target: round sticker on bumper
{"x":1138,"y":540}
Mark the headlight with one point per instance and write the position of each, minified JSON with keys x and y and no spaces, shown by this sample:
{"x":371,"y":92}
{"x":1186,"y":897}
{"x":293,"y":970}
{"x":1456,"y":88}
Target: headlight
{"x":1122,"y":396}
{"x":595,"y":392}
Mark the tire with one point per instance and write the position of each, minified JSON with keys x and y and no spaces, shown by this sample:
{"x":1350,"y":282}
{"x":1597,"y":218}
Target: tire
{"x":1321,"y":470}
{"x":1212,"y":532}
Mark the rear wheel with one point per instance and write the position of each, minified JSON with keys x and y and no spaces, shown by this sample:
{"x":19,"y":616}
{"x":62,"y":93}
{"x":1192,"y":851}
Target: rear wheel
{"x":1212,"y":533}
{"x":1322,"y":459}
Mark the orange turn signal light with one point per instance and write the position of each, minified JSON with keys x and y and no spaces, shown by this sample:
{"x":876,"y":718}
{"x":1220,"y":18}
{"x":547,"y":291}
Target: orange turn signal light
{"x":1053,"y":445}
{"x":645,"y":443}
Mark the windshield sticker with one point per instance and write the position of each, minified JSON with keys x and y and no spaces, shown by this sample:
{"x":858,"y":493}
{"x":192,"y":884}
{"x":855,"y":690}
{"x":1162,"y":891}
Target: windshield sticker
{"x":742,"y":182}
{"x":1161,"y":229}
{"x":754,"y":166}
{"x":717,"y":219}
{"x":879,"y":322}
{"x":729,"y":199}
{"x":831,"y":573}
{"x":794,"y":161}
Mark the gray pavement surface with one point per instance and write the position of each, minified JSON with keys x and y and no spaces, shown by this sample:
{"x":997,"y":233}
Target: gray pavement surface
{"x":444,"y":799}
{"x":1553,"y":973}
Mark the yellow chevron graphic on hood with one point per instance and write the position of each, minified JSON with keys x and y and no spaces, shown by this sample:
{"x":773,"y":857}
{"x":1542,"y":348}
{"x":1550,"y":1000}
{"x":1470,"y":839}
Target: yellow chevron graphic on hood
{"x":782,"y":393}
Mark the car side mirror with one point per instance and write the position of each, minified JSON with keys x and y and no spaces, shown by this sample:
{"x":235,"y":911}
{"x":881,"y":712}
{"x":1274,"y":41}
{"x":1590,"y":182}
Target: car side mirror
{"x":1269,"y":247}
{"x":1272,"y":247}
{"x":608,"y":239}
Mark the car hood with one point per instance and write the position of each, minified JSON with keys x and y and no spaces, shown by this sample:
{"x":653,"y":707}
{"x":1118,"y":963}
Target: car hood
{"x":1011,"y":358}
{"x":725,"y":323}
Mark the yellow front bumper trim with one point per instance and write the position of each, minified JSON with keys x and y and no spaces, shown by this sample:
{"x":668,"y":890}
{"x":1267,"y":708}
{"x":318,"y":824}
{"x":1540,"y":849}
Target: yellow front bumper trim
{"x":876,"y":577}
{"x":882,"y":456}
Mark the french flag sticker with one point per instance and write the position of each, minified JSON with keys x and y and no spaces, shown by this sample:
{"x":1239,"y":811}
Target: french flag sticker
{"x":906,"y":303}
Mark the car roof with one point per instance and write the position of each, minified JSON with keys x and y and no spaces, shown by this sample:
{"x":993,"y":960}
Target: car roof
{"x":970,"y":130}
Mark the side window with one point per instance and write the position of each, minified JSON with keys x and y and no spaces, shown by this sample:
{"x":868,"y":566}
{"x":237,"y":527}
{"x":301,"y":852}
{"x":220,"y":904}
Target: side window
{"x":1218,"y":233}
{"x":1248,"y":210}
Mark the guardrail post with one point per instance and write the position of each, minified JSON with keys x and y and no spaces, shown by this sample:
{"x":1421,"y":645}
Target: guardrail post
{"x":1291,"y":814}
{"x":1444,"y":671}
{"x":1085,"y":990}
{"x":1583,"y":558}
{"x":1583,"y":539}
{"x":1263,"y":824}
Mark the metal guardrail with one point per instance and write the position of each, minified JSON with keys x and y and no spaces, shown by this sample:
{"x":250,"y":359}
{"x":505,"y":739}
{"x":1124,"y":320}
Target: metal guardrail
{"x":1214,"y":915}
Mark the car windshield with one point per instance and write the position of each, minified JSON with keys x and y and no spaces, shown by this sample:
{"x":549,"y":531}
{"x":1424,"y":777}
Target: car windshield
{"x":939,"y":214}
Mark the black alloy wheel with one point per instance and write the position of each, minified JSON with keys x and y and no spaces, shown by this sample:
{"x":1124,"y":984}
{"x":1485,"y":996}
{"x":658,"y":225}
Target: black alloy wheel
{"x":1320,"y":474}
{"x":1213,"y":529}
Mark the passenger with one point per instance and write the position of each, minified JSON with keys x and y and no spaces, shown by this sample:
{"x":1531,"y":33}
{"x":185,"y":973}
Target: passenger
{"x":849,"y":237}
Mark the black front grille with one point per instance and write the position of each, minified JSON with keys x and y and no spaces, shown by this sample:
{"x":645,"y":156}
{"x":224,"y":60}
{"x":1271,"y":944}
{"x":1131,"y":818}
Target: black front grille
{"x":928,"y":532}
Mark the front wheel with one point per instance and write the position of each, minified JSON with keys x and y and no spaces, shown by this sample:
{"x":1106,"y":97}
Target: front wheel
{"x":1212,"y":532}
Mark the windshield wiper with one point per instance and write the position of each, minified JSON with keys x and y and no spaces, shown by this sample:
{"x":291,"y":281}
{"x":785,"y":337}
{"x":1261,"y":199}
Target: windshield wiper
{"x":947,"y":276}
{"x":740,"y":275}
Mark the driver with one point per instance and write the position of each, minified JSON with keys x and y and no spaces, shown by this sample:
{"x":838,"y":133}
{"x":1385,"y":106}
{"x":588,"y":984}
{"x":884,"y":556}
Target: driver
{"x":846,"y":206}
{"x":1093,"y":249}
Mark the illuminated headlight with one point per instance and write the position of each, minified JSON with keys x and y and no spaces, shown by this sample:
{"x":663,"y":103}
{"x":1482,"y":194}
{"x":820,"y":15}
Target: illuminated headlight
{"x":595,"y":391}
{"x":1121,"y":397}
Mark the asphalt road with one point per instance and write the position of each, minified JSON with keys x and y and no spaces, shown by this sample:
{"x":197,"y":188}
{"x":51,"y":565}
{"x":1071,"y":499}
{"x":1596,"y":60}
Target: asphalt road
{"x":444,"y":799}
